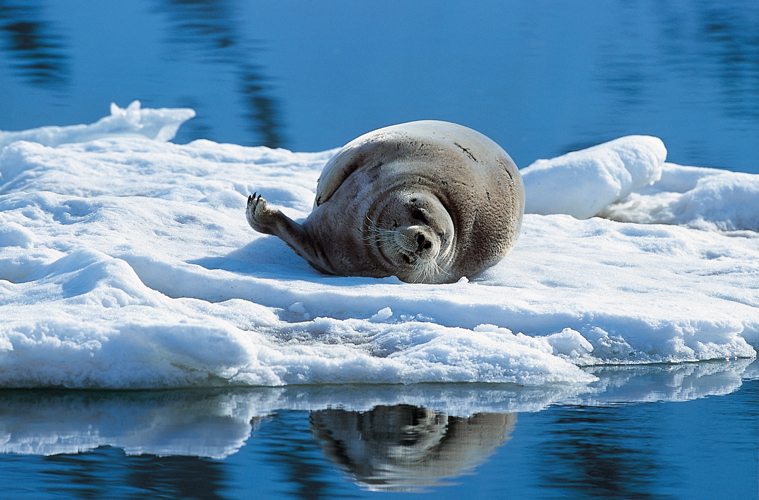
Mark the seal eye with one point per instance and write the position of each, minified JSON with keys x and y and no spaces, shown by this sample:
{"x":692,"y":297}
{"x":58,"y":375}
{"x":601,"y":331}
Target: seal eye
{"x":417,"y":214}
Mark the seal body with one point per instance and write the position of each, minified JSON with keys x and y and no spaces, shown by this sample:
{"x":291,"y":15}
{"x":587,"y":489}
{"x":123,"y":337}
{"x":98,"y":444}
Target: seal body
{"x":407,"y":448}
{"x":425,"y":201}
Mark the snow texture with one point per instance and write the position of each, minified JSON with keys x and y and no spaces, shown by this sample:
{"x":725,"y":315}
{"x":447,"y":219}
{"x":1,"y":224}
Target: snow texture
{"x":126,"y":262}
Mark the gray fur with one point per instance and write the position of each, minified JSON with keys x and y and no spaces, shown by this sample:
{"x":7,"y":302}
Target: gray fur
{"x":425,"y":201}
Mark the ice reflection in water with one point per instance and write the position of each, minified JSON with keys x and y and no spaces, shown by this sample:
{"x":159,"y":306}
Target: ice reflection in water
{"x":200,"y":443}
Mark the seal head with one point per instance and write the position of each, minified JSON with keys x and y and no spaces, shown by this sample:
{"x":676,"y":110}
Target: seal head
{"x":413,"y":233}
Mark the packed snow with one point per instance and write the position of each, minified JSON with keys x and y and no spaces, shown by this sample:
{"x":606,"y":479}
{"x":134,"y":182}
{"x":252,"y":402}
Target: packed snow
{"x":126,"y":262}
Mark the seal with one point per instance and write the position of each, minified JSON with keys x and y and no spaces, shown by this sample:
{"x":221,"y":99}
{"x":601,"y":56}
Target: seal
{"x":426,"y":201}
{"x":407,"y":448}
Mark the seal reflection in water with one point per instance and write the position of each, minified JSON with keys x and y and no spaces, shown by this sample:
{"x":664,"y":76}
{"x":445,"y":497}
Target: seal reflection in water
{"x":397,"y":448}
{"x":425,"y":201}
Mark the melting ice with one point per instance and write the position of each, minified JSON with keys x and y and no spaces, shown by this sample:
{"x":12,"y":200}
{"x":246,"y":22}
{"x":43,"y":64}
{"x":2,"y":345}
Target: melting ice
{"x":126,"y":262}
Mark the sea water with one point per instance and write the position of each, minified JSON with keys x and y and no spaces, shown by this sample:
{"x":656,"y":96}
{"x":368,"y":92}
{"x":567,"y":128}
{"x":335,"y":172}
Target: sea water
{"x":539,"y":78}
{"x":651,"y":440}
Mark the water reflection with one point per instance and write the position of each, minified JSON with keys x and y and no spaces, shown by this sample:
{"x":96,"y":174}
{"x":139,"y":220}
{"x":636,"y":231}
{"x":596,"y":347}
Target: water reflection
{"x":180,"y":443}
{"x":657,"y":61}
{"x":216,"y":422}
{"x":208,"y":29}
{"x":191,"y":423}
{"x":404,"y":447}
{"x":80,"y":476}
{"x":540,"y":80}
{"x":600,"y":453}
{"x":38,"y":51}
{"x":732,"y":39}
{"x":107,"y":472}
{"x":719,"y":40}
{"x":176,"y":477}
{"x":287,"y":443}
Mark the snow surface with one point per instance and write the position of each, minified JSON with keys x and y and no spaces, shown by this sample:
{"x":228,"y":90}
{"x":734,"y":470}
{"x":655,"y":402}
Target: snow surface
{"x":582,"y":183}
{"x":126,"y":262}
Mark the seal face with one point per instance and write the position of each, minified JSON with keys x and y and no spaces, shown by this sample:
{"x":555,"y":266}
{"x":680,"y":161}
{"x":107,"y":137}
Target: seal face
{"x":425,"y":201}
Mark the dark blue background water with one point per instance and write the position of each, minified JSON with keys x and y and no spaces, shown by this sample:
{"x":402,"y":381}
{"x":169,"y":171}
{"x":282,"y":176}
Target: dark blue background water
{"x":541,"y":77}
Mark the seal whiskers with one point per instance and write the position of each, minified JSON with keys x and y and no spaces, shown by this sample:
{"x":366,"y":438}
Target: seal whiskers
{"x":425,"y":272}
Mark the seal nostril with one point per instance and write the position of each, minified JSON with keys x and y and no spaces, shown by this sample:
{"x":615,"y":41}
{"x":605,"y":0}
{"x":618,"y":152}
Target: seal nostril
{"x":427,"y":245}
{"x":420,"y":239}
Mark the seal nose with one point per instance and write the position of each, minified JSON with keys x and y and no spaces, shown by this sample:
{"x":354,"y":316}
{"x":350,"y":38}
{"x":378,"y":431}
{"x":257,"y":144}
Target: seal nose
{"x":422,"y":243}
{"x":416,"y":240}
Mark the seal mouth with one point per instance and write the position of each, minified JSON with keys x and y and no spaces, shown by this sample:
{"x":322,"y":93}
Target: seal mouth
{"x":417,"y":242}
{"x":407,"y":258}
{"x":428,"y":271}
{"x":414,"y":248}
{"x":419,"y":247}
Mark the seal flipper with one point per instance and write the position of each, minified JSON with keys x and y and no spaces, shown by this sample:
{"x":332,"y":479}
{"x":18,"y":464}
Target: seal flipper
{"x":268,"y":221}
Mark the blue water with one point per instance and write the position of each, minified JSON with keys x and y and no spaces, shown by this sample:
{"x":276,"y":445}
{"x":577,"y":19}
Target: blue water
{"x":700,"y":449}
{"x":540,"y":78}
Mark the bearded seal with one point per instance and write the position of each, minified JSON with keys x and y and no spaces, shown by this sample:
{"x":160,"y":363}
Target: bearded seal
{"x":405,"y":447}
{"x":425,"y":201}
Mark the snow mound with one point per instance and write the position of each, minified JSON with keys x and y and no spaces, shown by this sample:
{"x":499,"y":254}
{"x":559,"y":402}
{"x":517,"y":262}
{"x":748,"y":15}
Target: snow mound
{"x":157,"y":124}
{"x":583,"y":183}
{"x":127,"y":262}
{"x":700,"y":198}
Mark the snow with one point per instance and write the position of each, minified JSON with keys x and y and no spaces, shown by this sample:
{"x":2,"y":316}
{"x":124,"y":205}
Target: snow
{"x":582,"y":183}
{"x":158,"y":124}
{"x":126,"y":262}
{"x":702,"y":198}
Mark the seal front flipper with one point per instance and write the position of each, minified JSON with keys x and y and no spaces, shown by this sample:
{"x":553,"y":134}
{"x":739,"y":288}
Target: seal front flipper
{"x":260,"y":217}
{"x":268,"y":221}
